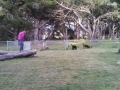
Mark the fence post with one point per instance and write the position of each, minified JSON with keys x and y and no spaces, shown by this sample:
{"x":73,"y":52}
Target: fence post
{"x":30,"y":44}
{"x":66,"y":44}
{"x":7,"y":46}
{"x":39,"y":48}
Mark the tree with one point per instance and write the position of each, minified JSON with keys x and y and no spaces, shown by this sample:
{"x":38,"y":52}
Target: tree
{"x":35,"y":15}
{"x":25,"y":14}
{"x":89,"y":15}
{"x":12,"y":19}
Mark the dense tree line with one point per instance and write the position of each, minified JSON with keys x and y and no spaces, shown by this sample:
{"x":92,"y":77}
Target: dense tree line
{"x":62,"y":19}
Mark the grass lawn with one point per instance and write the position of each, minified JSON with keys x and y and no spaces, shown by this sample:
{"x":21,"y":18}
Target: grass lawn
{"x":83,"y":69}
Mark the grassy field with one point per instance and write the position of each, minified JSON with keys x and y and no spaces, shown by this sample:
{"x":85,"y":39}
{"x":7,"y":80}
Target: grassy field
{"x":82,"y":69}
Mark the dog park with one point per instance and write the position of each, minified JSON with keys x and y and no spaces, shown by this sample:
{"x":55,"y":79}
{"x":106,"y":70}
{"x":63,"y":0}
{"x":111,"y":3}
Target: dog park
{"x":59,"y":44}
{"x":59,"y":69}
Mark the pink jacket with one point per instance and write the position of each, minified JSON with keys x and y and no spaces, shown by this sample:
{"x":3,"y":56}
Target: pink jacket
{"x":21,"y":35}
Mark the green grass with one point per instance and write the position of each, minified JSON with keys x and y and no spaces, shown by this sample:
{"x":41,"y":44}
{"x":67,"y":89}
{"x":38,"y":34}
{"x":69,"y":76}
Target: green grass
{"x":82,"y":69}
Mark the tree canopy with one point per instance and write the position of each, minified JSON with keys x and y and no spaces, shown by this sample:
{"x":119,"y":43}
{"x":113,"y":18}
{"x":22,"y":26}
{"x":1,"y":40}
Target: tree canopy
{"x":32,"y":15}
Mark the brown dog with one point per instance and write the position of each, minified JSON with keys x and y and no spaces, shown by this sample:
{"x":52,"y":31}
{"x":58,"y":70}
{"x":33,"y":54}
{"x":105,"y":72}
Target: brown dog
{"x":85,"y":46}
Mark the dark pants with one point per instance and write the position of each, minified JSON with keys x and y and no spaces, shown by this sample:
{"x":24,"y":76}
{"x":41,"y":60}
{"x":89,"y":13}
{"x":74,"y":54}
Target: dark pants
{"x":21,"y":45}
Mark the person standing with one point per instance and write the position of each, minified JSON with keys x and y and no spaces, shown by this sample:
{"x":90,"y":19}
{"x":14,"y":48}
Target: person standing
{"x":21,"y":39}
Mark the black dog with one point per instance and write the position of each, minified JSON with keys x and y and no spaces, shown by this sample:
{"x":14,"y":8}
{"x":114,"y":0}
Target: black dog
{"x":74,"y":47}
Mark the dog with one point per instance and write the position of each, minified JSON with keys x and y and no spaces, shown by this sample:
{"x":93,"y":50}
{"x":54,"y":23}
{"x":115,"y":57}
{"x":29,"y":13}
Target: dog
{"x":74,"y":47}
{"x":85,"y":45}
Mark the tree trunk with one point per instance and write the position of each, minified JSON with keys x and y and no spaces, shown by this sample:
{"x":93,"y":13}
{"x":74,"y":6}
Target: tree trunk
{"x":78,"y":33}
{"x":36,"y":25}
{"x":110,"y":32}
{"x":4,"y":55}
{"x":15,"y":36}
